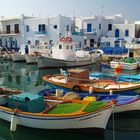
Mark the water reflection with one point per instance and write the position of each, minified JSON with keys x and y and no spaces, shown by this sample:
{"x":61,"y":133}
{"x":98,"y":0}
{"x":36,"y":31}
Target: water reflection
{"x":23,"y":77}
{"x":122,"y":135}
{"x":123,"y":126}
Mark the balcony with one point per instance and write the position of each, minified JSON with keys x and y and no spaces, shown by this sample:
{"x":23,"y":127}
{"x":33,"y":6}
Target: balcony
{"x":78,"y":33}
{"x":92,"y":32}
{"x":41,"y":33}
{"x":9,"y":33}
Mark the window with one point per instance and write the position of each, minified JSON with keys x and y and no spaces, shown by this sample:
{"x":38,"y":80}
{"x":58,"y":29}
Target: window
{"x":36,"y":42}
{"x":29,"y":42}
{"x":0,"y":42}
{"x":67,"y":47}
{"x":55,"y":26}
{"x":89,"y":27}
{"x":107,"y":43}
{"x":27,"y":28}
{"x":71,"y":47}
{"x":41,"y":28}
{"x":60,"y":46}
{"x":8,"y":29}
{"x":85,"y":41}
{"x":127,"y":32}
{"x":16,"y":26}
{"x":99,"y":26}
{"x":67,"y":28}
{"x":109,"y":27}
{"x":117,"y":33}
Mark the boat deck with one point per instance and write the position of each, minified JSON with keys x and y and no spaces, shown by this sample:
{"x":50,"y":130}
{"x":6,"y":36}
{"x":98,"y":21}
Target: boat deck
{"x":98,"y":84}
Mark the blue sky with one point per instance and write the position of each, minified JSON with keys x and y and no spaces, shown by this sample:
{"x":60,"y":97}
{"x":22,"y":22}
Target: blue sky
{"x":129,"y":8}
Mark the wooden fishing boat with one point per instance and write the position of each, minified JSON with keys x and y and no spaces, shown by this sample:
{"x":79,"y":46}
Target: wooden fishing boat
{"x":124,"y":102}
{"x":78,"y":80}
{"x":127,"y":63}
{"x":64,"y":55}
{"x":31,"y":110}
{"x":120,"y":77}
{"x":35,"y":51}
{"x":5,"y":91}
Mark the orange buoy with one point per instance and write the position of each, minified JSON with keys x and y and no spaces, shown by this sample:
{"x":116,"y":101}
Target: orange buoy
{"x":118,"y":68}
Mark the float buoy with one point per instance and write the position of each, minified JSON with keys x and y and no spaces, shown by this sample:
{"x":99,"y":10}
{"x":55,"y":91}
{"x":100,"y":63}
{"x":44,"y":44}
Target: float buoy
{"x":118,"y":68}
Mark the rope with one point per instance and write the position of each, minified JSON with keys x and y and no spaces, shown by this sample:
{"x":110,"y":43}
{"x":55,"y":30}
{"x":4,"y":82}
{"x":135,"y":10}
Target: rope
{"x":113,"y":123}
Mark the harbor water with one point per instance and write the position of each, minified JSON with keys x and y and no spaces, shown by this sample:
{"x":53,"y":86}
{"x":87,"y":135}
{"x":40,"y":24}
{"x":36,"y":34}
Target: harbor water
{"x":20,"y":76}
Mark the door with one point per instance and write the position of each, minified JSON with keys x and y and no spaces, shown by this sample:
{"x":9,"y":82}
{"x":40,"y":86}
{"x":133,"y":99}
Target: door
{"x":92,"y":41}
{"x":131,"y":54}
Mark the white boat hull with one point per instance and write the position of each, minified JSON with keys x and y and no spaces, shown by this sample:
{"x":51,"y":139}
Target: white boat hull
{"x":91,"y":120}
{"x":125,"y":66}
{"x":44,"y":62}
{"x":18,"y":57}
{"x":132,"y":106}
{"x":30,"y":58}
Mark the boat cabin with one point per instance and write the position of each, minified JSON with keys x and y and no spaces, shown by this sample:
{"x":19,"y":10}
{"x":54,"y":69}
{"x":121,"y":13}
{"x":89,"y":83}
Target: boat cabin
{"x":77,"y":75}
{"x":27,"y":102}
{"x":65,"y":49}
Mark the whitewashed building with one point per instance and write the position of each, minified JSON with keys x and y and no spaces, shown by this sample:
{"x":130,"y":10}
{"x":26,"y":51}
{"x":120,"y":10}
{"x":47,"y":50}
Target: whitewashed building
{"x":20,"y":31}
{"x":96,"y":27}
{"x":46,"y":29}
{"x":49,"y":30}
{"x":121,"y":34}
{"x":11,"y":31}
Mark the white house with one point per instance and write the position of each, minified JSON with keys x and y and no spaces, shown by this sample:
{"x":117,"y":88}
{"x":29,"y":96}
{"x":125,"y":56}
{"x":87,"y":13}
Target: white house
{"x":49,"y":30}
{"x":11,"y":31}
{"x":16,"y":31}
{"x":96,"y":27}
{"x":121,"y":34}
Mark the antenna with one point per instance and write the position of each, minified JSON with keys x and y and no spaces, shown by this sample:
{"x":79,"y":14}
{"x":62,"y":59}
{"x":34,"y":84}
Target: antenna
{"x":73,"y":13}
{"x":73,"y":26}
{"x":102,"y":10}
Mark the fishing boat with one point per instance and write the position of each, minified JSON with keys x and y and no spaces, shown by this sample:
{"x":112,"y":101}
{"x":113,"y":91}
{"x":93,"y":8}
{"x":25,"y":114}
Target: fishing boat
{"x":120,"y":77}
{"x":8,"y":91}
{"x":36,"y":51}
{"x":64,"y":55}
{"x":126,"y":63}
{"x":32,"y":111}
{"x":124,"y":102}
{"x":19,"y":56}
{"x":78,"y":80}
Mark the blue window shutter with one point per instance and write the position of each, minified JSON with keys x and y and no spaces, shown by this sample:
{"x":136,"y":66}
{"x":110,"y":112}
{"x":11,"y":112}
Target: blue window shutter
{"x":89,"y":27}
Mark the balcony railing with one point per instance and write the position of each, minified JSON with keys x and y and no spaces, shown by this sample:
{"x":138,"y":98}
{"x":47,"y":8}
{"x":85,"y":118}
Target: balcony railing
{"x":93,"y":31}
{"x":41,"y":32}
{"x":9,"y":32}
{"x":77,"y":33}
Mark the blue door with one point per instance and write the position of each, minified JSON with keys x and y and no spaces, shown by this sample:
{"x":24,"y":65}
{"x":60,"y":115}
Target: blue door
{"x":126,"y":32}
{"x":117,"y":33}
{"x":89,"y":27}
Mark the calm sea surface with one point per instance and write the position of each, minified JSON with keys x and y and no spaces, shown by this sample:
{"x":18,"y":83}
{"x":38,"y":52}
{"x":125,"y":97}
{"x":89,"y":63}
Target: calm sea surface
{"x":124,"y":126}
